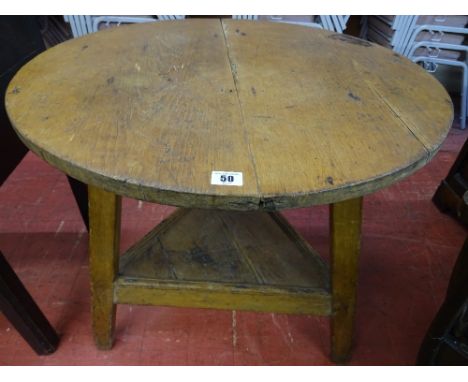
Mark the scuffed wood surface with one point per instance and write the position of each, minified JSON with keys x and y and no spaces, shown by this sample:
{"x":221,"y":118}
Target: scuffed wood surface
{"x":308,"y":116}
{"x":225,"y":260}
{"x":253,"y":248}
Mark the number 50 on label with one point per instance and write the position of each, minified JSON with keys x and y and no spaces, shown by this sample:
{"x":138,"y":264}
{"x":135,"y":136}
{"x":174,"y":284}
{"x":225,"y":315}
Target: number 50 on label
{"x":226,"y":178}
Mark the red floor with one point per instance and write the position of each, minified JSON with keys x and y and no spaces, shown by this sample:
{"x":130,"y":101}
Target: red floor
{"x":408,"y":250}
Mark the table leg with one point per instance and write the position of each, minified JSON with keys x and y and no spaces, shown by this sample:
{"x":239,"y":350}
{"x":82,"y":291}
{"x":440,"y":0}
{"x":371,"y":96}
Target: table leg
{"x":104,"y":237}
{"x":23,"y":313}
{"x":345,"y":227}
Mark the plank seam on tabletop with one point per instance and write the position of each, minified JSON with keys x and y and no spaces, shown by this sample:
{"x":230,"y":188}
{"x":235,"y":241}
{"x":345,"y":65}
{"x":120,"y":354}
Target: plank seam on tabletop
{"x":397,"y":115}
{"x":262,"y":194}
{"x":246,"y":136}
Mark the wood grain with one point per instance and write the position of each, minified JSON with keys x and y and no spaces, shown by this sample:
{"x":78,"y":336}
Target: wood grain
{"x":345,"y":227}
{"x":222,"y":296}
{"x":244,"y":248}
{"x":104,"y":241}
{"x":225,"y":259}
{"x":308,"y":116}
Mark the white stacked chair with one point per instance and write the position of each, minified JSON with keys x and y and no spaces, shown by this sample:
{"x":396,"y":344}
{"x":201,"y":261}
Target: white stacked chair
{"x":335,"y":23}
{"x":82,"y":25}
{"x":109,"y":21}
{"x":389,"y":31}
{"x":428,"y":40}
{"x":245,"y":17}
{"x":168,"y":18}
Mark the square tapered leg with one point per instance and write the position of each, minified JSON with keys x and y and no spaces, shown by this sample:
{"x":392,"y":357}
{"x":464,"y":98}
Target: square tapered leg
{"x":345,"y":226}
{"x":104,"y":237}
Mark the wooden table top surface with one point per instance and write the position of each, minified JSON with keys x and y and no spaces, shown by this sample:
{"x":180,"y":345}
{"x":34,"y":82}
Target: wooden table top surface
{"x":151,"y":110}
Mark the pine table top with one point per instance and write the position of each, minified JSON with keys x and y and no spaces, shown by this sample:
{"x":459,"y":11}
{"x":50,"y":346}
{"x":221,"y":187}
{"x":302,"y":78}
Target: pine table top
{"x":151,"y":110}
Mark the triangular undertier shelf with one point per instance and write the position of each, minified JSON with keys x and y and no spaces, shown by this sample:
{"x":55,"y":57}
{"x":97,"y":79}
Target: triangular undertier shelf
{"x":225,"y":259}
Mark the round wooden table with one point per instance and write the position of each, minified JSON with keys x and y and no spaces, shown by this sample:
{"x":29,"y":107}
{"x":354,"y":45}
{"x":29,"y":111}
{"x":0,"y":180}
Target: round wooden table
{"x":231,"y":120}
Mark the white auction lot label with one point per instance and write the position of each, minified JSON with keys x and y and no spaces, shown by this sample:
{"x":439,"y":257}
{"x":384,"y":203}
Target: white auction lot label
{"x":226,"y":178}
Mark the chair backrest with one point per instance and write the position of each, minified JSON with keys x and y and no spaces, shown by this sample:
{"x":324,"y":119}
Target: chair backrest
{"x":78,"y":25}
{"x":401,"y":33}
{"x":171,"y":17}
{"x":118,"y":20}
{"x":437,"y":33}
{"x":335,"y":23}
{"x":82,"y":25}
{"x":245,"y":17}
{"x":303,"y":23}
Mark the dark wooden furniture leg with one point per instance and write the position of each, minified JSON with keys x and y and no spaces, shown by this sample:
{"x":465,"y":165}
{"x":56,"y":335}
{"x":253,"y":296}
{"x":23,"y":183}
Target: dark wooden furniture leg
{"x":104,"y":237}
{"x":452,"y":194}
{"x":446,"y":341}
{"x":345,"y":227}
{"x":20,"y":41}
{"x":80,"y":191}
{"x":23,"y":313}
